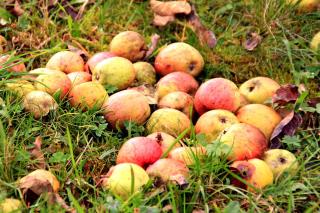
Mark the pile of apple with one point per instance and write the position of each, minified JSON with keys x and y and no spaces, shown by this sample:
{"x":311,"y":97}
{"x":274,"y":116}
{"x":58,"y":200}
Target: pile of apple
{"x":241,"y":119}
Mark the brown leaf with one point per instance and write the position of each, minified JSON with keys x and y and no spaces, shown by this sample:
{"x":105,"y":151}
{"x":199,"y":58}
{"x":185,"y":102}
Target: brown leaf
{"x":170,"y":8}
{"x":17,"y":10}
{"x":37,"y":154}
{"x":287,"y":126}
{"x":161,"y":21}
{"x":56,"y":198}
{"x":286,"y":94}
{"x":3,"y":44}
{"x":154,"y":43}
{"x":253,"y":40}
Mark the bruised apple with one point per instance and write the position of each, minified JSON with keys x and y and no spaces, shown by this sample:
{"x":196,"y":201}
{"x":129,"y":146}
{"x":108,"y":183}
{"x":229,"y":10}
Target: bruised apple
{"x":244,"y":141}
{"x":39,"y":103}
{"x":125,"y":179}
{"x":142,"y":151}
{"x":213,"y":122}
{"x":126,"y":105}
{"x":217,"y":93}
{"x":176,"y":81}
{"x":188,"y":155}
{"x":259,"y":90}
{"x":177,"y":100}
{"x":165,"y":140}
{"x":79,"y":77}
{"x":66,"y":61}
{"x":261,"y":116}
{"x":170,"y":121}
{"x":181,"y":57}
{"x":10,"y":205}
{"x":20,"y":87}
{"x":11,"y":65}
{"x":130,"y":45}
{"x":116,"y":71}
{"x":145,"y":73}
{"x":95,"y":59}
{"x":88,"y":95}
{"x":254,"y":171}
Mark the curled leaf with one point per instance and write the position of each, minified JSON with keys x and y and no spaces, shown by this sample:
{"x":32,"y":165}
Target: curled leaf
{"x":154,"y":43}
{"x":253,"y":40}
{"x":170,"y":8}
{"x":287,"y":126}
{"x":288,"y":93}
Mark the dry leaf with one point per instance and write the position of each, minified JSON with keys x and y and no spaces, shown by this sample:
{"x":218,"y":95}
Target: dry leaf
{"x":56,"y":198}
{"x":170,"y":8}
{"x":288,"y":93}
{"x":154,"y":43}
{"x":37,"y":154}
{"x":161,"y":21}
{"x":253,"y":40}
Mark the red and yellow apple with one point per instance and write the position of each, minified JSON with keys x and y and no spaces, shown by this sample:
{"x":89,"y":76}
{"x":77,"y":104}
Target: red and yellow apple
{"x":95,"y":59}
{"x":188,"y":155}
{"x":79,"y":77}
{"x":306,"y":5}
{"x":145,"y":73}
{"x":11,"y":65}
{"x":66,"y":61}
{"x":177,"y":100}
{"x":165,"y":140}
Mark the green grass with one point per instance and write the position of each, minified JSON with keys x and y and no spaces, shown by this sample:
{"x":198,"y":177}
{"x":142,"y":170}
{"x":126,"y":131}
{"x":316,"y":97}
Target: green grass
{"x":79,"y":147}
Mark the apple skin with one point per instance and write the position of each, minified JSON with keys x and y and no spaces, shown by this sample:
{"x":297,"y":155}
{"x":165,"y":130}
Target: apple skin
{"x":280,"y":160}
{"x":19,"y":67}
{"x":52,"y":81}
{"x":170,"y":121}
{"x":255,"y":171}
{"x":306,"y":5}
{"x":315,"y":42}
{"x":145,"y":73}
{"x":39,"y":103}
{"x":181,"y":57}
{"x":177,"y":100}
{"x":165,"y":140}
{"x":120,"y":178}
{"x":187,"y":155}
{"x":88,"y":95}
{"x":20,"y":87}
{"x":115,"y":71}
{"x":169,"y":170}
{"x":77,"y":78}
{"x":213,"y":122}
{"x":245,"y":141}
{"x":258,"y":90}
{"x":130,"y":45}
{"x":126,"y":105}
{"x":10,"y":205}
{"x":176,"y":81}
{"x":261,"y":116}
{"x":95,"y":59}
{"x":217,"y":93}
{"x":66,"y":61}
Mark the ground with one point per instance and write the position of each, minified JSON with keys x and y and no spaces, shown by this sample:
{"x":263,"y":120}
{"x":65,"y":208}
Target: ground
{"x":79,"y":147}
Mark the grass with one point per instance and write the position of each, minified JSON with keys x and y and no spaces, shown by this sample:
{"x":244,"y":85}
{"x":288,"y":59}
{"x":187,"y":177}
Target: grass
{"x":79,"y":147}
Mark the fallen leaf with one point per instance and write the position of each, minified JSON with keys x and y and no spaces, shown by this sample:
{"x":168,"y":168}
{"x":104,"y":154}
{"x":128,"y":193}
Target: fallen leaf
{"x":17,"y":10}
{"x":170,"y":8}
{"x":37,"y":154}
{"x":253,"y":40}
{"x":56,"y":198}
{"x":287,"y":126}
{"x":154,"y":43}
{"x":161,"y":21}
{"x":288,"y":93}
{"x":205,"y":35}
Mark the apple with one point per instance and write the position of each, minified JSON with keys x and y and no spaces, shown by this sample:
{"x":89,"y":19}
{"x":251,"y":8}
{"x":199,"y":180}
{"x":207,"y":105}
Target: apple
{"x":95,"y":59}
{"x":3,"y":45}
{"x":188,"y":155}
{"x":259,"y":90}
{"x":170,"y":121}
{"x":77,"y":78}
{"x":115,"y":71}
{"x":145,"y":73}
{"x":261,"y":116}
{"x":66,"y":61}
{"x":181,"y":57}
{"x":165,"y":140}
{"x":88,"y":95}
{"x":217,"y":93}
{"x":254,"y":171}
{"x":33,"y":74}
{"x":126,"y":105}
{"x":280,"y":160}
{"x":315,"y":42}
{"x":213,"y":122}
{"x":244,"y":141}
{"x":305,"y":5}
{"x":130,"y":45}
{"x":39,"y":103}
{"x":10,"y":205}
{"x":52,"y":81}
{"x":20,"y":87}
{"x":177,"y":100}
{"x":142,"y":151}
{"x":125,"y":179}
{"x":169,"y":170}
{"x":176,"y":81}
{"x":11,"y":65}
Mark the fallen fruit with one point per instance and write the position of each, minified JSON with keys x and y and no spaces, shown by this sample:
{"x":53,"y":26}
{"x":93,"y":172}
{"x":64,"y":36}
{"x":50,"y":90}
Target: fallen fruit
{"x":305,"y":5}
{"x":181,"y":57}
{"x":10,"y":205}
{"x":66,"y":61}
{"x":145,"y":73}
{"x":315,"y":42}
{"x":188,"y":155}
{"x":13,"y":65}
{"x":125,"y":179}
{"x":95,"y":59}
{"x":165,"y":140}
{"x":39,"y":103}
{"x":178,"y":100}
{"x":142,"y":151}
{"x":130,"y":45}
{"x":77,"y":78}
{"x":20,"y":87}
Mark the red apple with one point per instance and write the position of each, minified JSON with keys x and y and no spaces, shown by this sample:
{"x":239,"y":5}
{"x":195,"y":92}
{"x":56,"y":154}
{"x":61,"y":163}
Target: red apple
{"x":142,"y":151}
{"x":11,"y":66}
{"x":79,"y":77}
{"x":95,"y":59}
{"x":165,"y":140}
{"x":66,"y":61}
{"x":178,"y":100}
